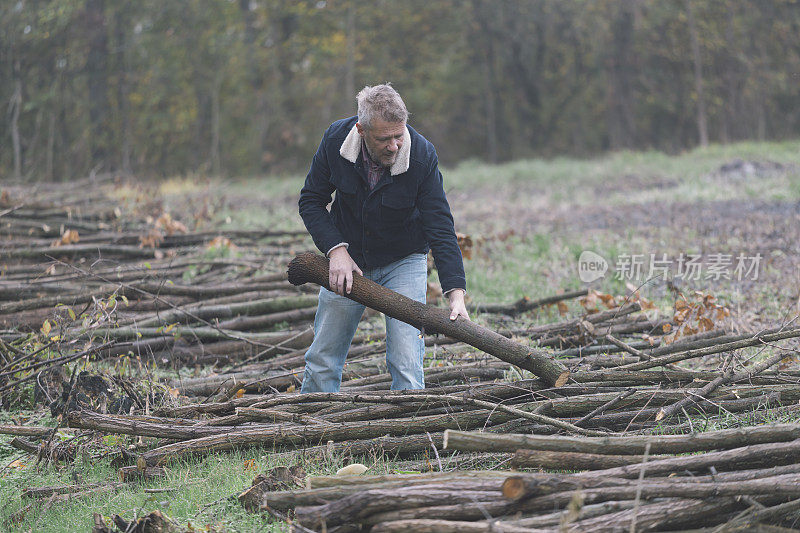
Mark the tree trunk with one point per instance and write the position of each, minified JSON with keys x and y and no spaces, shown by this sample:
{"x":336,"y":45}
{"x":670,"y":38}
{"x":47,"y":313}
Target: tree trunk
{"x":313,"y":268}
{"x":661,"y":516}
{"x":621,"y":123}
{"x":97,"y":71}
{"x":355,"y":507}
{"x":293,"y":434}
{"x":51,"y":140}
{"x":350,"y":59}
{"x":432,"y":525}
{"x":570,"y":460}
{"x":625,"y":445}
{"x":216,"y":165}
{"x":16,"y":101}
{"x":702,"y":125}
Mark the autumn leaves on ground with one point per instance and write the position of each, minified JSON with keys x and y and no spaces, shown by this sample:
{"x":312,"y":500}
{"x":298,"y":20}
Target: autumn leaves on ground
{"x":151,"y":351}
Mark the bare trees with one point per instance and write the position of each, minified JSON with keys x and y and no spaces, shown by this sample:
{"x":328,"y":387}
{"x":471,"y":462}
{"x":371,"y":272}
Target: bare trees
{"x":247,"y":86}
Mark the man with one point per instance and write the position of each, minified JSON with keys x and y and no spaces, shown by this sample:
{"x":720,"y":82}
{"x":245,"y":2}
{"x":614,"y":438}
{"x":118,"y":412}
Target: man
{"x":390,"y":208}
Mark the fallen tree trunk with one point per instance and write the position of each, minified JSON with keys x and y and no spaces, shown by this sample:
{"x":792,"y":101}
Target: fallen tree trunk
{"x":447,"y":526}
{"x":290,"y":434}
{"x":755,"y":456}
{"x":521,"y":487}
{"x":313,"y":268}
{"x":661,"y":516}
{"x":256,"y":307}
{"x":355,"y":507}
{"x":569,"y":515}
{"x":526,"y":304}
{"x":571,"y":460}
{"x":622,"y":445}
{"x":715,"y":348}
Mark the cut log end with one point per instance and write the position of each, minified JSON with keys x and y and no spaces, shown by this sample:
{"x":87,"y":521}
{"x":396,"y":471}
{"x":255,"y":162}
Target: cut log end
{"x":445,"y":438}
{"x":514,"y":487}
{"x":297,"y":271}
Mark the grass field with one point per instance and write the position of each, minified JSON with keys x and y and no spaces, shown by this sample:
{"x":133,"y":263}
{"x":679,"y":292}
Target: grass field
{"x":530,"y":221}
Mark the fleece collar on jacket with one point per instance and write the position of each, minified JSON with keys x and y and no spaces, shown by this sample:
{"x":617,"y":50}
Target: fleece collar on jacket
{"x":351,"y":147}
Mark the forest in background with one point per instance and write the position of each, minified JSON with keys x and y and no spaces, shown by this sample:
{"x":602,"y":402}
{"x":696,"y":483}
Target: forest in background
{"x":246,"y":87}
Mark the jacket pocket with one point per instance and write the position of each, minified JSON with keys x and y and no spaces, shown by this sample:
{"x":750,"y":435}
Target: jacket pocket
{"x":396,"y":209}
{"x":343,"y":184}
{"x":346,"y":195}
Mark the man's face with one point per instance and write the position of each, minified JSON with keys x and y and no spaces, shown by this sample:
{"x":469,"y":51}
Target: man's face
{"x":383,"y":140}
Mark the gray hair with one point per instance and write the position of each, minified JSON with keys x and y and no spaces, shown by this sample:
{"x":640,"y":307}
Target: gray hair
{"x":380,"y":101}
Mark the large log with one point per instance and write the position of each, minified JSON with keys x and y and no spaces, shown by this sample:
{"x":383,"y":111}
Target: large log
{"x":475,"y":510}
{"x":661,"y":516}
{"x":554,"y":519}
{"x":361,"y":504}
{"x":524,"y":487}
{"x":526,"y":304}
{"x":313,"y":268}
{"x":255,"y":307}
{"x":453,"y":499}
{"x":700,"y":352}
{"x":448,"y":526}
{"x":571,"y":460}
{"x":282,"y":500}
{"x":288,"y":434}
{"x":405,"y":480}
{"x":622,"y":445}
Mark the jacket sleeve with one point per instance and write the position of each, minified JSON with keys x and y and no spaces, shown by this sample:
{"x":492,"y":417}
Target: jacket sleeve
{"x":314,"y":199}
{"x":437,"y":221}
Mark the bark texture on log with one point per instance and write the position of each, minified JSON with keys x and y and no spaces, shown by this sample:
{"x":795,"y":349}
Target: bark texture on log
{"x":447,"y":526}
{"x":571,"y":460}
{"x":622,"y":445}
{"x":313,"y":268}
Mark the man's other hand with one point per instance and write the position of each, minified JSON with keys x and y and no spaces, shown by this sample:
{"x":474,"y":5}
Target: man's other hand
{"x":457,"y":306}
{"x":340,"y":271}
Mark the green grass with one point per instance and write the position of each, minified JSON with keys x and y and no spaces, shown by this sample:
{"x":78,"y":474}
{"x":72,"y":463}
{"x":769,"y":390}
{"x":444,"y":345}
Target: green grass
{"x":202,"y":493}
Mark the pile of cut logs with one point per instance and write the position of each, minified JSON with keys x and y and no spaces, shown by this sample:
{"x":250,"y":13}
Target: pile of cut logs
{"x":741,"y":478}
{"x":597,"y":392}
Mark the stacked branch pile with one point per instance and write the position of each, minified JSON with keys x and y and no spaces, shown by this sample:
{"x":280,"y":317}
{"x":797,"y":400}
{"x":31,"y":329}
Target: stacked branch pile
{"x":584,"y":393}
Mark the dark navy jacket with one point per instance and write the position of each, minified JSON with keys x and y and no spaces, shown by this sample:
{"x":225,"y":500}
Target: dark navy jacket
{"x":407,"y":211}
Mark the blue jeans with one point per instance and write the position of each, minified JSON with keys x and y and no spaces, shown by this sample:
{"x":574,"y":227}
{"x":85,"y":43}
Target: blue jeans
{"x":337,"y":319}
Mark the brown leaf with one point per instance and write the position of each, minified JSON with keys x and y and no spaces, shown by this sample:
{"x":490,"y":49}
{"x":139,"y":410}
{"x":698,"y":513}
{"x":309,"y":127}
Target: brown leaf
{"x":680,"y":316}
{"x":172,"y":227}
{"x":589,"y":302}
{"x":220,"y":241}
{"x":608,"y":300}
{"x":70,"y":236}
{"x":465,"y":244}
{"x":151,"y":239}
